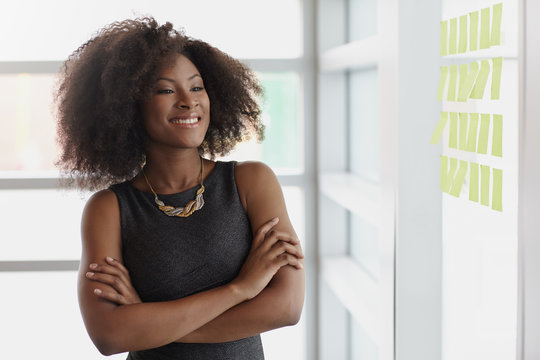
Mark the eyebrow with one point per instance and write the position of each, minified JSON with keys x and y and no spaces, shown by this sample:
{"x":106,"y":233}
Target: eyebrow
{"x":172,"y":80}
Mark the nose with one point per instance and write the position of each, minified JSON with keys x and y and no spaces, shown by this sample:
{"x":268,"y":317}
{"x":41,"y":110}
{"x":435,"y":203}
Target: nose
{"x":185,"y":101}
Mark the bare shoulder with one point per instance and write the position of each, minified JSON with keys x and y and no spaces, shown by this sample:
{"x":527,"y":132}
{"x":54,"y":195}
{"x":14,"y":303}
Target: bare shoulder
{"x":252,"y":178}
{"x":250,"y":170}
{"x":101,"y":221}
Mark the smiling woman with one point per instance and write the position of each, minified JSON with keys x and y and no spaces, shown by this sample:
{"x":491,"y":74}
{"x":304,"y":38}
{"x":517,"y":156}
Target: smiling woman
{"x":199,"y":278}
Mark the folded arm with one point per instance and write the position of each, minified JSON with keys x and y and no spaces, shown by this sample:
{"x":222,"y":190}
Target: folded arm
{"x":117,"y":328}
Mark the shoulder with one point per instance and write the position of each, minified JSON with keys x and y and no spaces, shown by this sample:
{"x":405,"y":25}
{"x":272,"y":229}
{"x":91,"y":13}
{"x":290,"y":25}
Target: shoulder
{"x":251,"y":169}
{"x":101,"y":206}
{"x":255,"y":179}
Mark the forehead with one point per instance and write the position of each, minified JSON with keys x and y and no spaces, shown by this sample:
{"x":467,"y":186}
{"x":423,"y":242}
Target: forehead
{"x":177,"y":66}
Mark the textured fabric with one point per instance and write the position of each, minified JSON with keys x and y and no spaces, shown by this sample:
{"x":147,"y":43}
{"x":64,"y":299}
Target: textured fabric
{"x":170,"y":257}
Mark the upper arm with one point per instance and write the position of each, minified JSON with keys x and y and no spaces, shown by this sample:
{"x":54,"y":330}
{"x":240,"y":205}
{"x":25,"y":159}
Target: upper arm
{"x":100,"y":234}
{"x":263,"y":200}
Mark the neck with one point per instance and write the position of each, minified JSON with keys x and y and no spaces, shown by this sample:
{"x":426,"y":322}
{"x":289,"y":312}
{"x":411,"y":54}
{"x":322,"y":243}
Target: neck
{"x":175,"y":171}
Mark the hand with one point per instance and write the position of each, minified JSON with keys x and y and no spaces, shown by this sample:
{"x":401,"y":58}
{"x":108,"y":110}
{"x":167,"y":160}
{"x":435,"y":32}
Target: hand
{"x":270,"y":251}
{"x":113,"y":273}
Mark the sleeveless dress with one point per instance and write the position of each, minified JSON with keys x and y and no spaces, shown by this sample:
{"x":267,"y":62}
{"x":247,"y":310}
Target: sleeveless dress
{"x":170,"y":257}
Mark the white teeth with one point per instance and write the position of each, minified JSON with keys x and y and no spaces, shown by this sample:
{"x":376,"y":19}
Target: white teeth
{"x":185,"y":121}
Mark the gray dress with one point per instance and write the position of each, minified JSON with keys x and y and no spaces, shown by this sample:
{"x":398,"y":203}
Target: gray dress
{"x":170,"y":257}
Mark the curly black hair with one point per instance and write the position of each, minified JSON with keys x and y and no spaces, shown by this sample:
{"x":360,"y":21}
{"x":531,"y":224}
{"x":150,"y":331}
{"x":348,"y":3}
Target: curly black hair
{"x":100,"y":126}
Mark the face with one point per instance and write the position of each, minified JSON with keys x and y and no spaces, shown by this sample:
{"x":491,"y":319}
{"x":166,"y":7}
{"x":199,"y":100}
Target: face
{"x":177,"y":113}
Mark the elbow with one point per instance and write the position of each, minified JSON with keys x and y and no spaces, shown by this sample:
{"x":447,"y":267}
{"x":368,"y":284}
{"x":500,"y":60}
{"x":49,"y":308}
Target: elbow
{"x":293,"y":315}
{"x":107,"y":347}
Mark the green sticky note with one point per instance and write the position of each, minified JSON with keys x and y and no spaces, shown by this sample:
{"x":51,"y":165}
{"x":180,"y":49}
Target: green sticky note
{"x":483,"y":136}
{"x":484,"y":29}
{"x":473,"y":31}
{"x":473,"y":182}
{"x":453,"y":134}
{"x":496,"y":78}
{"x":442,"y":82}
{"x":466,"y":80}
{"x":496,"y":25}
{"x":496,"y":145}
{"x":473,"y":132}
{"x":439,"y":128}
{"x":463,"y":125}
{"x":447,"y":174}
{"x":452,"y":42}
{"x":484,"y":188}
{"x":496,"y":197}
{"x":481,"y":80}
{"x":459,"y":179}
{"x":462,"y":47}
{"x":444,"y":38}
{"x":451,"y":95}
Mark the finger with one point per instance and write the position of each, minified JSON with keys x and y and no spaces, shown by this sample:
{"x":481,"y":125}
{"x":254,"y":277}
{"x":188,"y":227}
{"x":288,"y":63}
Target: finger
{"x":288,"y":259}
{"x":117,"y":264}
{"x":281,"y":247}
{"x":273,"y":236}
{"x":111,"y":296}
{"x":261,"y":231}
{"x":114,"y":281}
{"x":109,"y":269}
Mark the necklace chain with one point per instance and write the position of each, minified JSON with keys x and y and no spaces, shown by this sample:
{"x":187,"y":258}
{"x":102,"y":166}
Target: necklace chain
{"x":190,"y":207}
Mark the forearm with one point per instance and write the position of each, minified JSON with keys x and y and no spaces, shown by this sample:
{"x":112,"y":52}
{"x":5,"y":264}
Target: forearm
{"x":279,"y":304}
{"x":148,"y":325}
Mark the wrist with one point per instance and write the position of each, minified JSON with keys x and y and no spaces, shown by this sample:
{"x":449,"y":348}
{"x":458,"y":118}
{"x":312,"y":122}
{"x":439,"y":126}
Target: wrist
{"x":238,"y":291}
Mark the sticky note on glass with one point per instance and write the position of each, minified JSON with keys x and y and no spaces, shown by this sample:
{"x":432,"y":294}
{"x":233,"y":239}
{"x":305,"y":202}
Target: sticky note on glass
{"x":485,"y":36}
{"x":444,"y":38}
{"x":484,"y":187}
{"x":447,"y":174}
{"x":457,"y":184}
{"x":483,"y":136}
{"x":496,"y":25}
{"x":496,"y":78}
{"x":473,"y":31}
{"x":496,"y":196}
{"x":481,"y":80}
{"x":452,"y":41}
{"x":496,"y":144}
{"x":467,"y":76}
{"x":442,"y":82}
{"x":468,"y":131}
{"x":473,"y":182}
{"x":462,"y":47}
{"x":439,"y":128}
{"x":451,"y":95}
{"x":453,"y":133}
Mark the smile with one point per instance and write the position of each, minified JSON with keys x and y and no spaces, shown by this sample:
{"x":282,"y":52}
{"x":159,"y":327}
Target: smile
{"x":189,"y":121}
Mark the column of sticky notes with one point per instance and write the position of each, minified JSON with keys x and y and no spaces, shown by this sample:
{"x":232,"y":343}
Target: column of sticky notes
{"x":461,"y":83}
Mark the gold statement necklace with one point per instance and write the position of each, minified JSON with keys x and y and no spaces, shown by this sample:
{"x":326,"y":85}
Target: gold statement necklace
{"x":190,"y":207}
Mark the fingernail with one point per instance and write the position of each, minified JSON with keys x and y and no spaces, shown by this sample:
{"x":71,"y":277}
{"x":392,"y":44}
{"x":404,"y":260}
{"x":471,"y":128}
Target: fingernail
{"x":109,"y":258}
{"x":93,"y":266}
{"x":97,"y":291}
{"x":275,"y":220}
{"x":89,"y":273}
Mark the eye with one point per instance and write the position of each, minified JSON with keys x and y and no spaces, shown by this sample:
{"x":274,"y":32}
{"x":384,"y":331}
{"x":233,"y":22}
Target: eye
{"x":197,"y":88}
{"x":165,"y":91}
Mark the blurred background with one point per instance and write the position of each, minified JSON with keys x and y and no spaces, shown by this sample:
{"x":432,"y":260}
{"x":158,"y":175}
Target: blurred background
{"x":397,"y":268}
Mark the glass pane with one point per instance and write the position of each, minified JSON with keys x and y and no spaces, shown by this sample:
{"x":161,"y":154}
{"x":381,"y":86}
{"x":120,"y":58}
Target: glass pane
{"x":362,"y":346}
{"x":364,"y":124}
{"x":364,"y":245}
{"x":248,"y":30}
{"x":283,"y":143}
{"x":41,"y":225}
{"x":27,"y":128}
{"x":480,"y":239}
{"x":41,"y":318}
{"x":362,"y":19}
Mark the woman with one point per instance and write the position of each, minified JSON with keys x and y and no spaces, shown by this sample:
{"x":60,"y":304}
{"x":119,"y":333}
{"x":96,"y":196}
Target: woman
{"x":183,"y":257}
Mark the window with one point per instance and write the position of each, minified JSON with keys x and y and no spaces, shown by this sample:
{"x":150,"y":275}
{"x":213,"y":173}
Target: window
{"x":41,"y":246}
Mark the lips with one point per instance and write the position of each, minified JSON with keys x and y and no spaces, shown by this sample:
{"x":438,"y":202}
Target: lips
{"x":184,"y":121}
